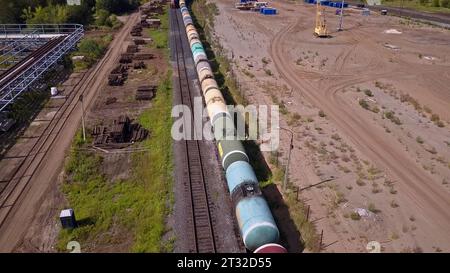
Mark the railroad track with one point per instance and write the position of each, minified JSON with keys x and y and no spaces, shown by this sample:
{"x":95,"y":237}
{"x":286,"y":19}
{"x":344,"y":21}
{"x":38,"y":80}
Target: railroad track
{"x":17,"y":184}
{"x":18,"y":181}
{"x":201,"y":226}
{"x":14,"y":71}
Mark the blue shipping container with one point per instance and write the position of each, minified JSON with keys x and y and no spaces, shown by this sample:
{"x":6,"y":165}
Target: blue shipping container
{"x":269,"y":11}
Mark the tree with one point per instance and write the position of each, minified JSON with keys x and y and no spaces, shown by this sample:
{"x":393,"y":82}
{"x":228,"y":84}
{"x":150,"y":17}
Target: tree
{"x":102,"y":18}
{"x":46,"y":15}
{"x":91,"y":48}
{"x":80,"y":14}
{"x":435,"y":3}
{"x":116,"y":6}
{"x":445,"y":3}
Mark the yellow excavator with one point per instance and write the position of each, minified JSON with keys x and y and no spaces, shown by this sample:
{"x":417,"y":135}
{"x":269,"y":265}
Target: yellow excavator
{"x":321,"y":27}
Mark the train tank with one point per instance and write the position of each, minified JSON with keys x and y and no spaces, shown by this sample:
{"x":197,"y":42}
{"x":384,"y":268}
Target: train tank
{"x":256,"y":223}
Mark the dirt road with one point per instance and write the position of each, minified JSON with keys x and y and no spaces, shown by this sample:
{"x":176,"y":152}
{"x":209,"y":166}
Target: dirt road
{"x":24,"y":201}
{"x":430,"y":200}
{"x":397,"y":172}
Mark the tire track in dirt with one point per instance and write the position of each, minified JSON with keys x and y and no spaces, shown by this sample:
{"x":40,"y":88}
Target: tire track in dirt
{"x":415,"y":183}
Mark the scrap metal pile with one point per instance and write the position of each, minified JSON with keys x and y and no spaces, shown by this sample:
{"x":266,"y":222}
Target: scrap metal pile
{"x":121,"y":131}
{"x":149,"y":14}
{"x":146,"y":92}
{"x":118,"y":75}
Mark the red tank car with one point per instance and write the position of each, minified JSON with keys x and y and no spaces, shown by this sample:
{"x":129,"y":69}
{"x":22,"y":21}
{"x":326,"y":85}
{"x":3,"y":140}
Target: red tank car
{"x":271,"y":248}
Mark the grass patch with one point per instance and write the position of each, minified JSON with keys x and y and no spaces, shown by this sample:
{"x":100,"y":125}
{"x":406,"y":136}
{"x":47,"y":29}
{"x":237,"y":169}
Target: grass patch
{"x":368,"y":93}
{"x":372,"y":208}
{"x":92,"y":49}
{"x":355,"y":216}
{"x":390,"y":115}
{"x":137,"y":205}
{"x":268,"y":72}
{"x":421,"y":5}
{"x":419,"y":140}
{"x":160,"y":35}
{"x":307,"y":229}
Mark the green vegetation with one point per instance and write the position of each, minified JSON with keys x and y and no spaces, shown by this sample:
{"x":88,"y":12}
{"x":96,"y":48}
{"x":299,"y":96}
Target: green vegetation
{"x":159,"y":36}
{"x":421,"y":5}
{"x":368,"y":92}
{"x":92,"y":49}
{"x":437,"y":120}
{"x":22,"y":111}
{"x":392,"y":117}
{"x":360,"y":182}
{"x":433,"y":117}
{"x":58,"y":12}
{"x":268,"y":72}
{"x":372,"y":208}
{"x":394,"y":204}
{"x":419,"y":140}
{"x":136,"y":206}
{"x":307,"y":230}
{"x":364,"y":104}
{"x":105,"y":19}
{"x":355,"y":216}
{"x":248,"y":73}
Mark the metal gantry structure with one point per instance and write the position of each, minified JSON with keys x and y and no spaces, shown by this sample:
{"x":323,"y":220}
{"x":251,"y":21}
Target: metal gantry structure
{"x":18,"y":41}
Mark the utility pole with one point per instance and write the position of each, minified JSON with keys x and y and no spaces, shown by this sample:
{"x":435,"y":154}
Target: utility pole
{"x":341,"y":15}
{"x":82,"y":117}
{"x":286,"y":172}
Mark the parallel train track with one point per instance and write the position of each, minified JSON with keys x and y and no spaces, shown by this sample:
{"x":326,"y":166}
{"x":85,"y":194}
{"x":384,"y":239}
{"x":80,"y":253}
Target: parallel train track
{"x":34,"y":156}
{"x":201,"y":227}
{"x":18,"y":181}
{"x":14,"y":71}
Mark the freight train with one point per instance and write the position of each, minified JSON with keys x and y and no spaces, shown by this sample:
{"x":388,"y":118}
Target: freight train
{"x":256,"y":223}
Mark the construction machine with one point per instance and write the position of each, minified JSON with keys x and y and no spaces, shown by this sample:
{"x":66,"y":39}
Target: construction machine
{"x":321,"y":27}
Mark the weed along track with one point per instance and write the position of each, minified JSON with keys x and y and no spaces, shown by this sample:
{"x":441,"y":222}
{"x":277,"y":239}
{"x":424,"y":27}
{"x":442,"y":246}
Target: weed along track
{"x":28,"y":173}
{"x":18,"y":181}
{"x":201,"y":233}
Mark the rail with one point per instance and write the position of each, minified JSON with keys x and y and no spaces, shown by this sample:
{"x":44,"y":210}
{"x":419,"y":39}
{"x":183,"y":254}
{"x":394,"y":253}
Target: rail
{"x":11,"y":89}
{"x":201,"y":227}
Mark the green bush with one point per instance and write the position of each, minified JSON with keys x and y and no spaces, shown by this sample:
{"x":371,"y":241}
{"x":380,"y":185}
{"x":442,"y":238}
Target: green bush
{"x":364,"y":104}
{"x":91,"y":48}
{"x":419,"y":140}
{"x":116,"y":6}
{"x":102,"y":18}
{"x":355,"y":216}
{"x":57,"y":14}
{"x":368,"y":93}
{"x":391,"y":116}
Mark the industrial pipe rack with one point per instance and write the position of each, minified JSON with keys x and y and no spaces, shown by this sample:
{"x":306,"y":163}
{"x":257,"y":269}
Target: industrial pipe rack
{"x":16,"y":36}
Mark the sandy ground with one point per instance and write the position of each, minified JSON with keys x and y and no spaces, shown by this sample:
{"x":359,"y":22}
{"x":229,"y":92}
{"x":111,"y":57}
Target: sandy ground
{"x":38,"y":214}
{"x":397,"y":168}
